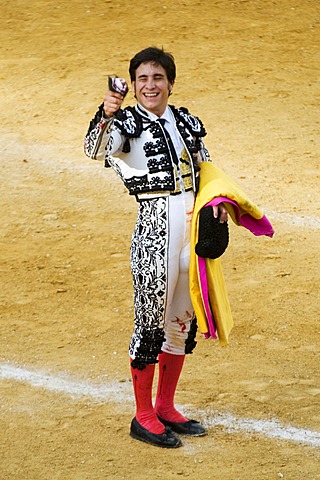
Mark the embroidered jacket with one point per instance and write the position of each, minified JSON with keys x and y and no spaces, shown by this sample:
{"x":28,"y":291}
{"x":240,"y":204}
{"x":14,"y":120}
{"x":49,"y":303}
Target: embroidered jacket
{"x":138,"y":148}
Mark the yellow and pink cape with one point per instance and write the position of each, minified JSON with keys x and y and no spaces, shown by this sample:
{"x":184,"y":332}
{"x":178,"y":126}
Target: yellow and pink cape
{"x":207,"y":286}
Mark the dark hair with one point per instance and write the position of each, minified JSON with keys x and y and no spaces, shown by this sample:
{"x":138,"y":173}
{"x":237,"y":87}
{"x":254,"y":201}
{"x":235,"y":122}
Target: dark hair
{"x":157,"y":56}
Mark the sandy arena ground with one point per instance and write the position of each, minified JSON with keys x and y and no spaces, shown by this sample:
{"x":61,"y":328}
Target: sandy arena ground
{"x":250,"y":70}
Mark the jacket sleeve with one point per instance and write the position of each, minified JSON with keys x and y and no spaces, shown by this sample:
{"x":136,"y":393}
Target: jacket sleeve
{"x":98,"y":136}
{"x":203,"y":154}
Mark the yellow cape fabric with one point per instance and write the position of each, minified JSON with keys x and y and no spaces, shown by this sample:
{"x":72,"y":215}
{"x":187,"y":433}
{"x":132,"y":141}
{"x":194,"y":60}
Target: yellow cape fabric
{"x":215,"y":183}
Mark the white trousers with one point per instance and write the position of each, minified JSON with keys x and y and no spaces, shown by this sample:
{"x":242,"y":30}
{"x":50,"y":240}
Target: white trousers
{"x":179,"y":310}
{"x":160,"y":256}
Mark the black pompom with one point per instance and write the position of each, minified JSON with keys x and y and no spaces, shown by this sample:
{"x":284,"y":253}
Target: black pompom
{"x":126,"y":146}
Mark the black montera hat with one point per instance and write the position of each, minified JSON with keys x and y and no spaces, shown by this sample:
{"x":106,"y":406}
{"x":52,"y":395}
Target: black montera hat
{"x":213,"y":236}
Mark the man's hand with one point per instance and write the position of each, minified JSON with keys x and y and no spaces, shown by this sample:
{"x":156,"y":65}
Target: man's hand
{"x":112,"y":102}
{"x":220,"y":211}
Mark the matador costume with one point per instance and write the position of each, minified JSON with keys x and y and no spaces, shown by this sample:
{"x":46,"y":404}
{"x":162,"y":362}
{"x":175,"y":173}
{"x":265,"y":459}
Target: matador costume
{"x":158,"y":161}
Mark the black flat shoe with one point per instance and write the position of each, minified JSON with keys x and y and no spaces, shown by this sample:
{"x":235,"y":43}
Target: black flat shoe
{"x":191,"y":428}
{"x":167,"y":439}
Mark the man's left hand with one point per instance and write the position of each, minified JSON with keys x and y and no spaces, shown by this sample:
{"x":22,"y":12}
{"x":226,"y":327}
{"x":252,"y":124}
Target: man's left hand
{"x":220,"y":211}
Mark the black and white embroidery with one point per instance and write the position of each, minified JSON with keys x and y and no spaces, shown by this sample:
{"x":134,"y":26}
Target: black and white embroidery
{"x":155,"y":148}
{"x":129,"y":122}
{"x":159,"y":165}
{"x":136,"y":184}
{"x":116,"y":168}
{"x":191,"y":122}
{"x":148,"y":344}
{"x":146,"y":136}
{"x":149,"y":271}
{"x":93,"y":140}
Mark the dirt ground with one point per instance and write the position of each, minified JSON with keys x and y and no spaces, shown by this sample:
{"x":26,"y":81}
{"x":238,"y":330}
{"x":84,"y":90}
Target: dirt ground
{"x":250,"y":70}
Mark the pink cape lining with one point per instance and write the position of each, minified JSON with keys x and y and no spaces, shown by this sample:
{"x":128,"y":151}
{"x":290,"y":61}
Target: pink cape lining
{"x":258,"y":227}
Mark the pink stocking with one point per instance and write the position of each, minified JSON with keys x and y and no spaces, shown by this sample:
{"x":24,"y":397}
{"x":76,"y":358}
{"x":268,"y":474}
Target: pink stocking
{"x":142,"y":385}
{"x":170,"y":367}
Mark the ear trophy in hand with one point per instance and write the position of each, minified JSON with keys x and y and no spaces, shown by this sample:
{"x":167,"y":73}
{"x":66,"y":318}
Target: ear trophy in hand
{"x":118,"y":85}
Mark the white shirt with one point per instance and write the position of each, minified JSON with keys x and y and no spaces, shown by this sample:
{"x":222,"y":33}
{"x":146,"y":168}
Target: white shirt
{"x":170,"y":127}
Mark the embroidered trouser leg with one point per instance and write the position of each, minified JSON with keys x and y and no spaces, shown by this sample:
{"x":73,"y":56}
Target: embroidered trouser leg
{"x":160,"y":264}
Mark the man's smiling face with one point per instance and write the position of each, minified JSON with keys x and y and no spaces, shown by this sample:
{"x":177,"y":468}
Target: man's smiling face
{"x":152,"y":87}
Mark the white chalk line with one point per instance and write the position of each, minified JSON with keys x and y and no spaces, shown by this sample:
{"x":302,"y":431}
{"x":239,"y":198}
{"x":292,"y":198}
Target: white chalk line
{"x":112,"y":392}
{"x":269,"y":428}
{"x":121,"y":392}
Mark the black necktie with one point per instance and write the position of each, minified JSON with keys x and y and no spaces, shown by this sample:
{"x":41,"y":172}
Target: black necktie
{"x":170,"y":143}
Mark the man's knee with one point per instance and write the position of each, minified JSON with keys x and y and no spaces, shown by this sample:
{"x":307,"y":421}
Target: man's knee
{"x":145,"y":346}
